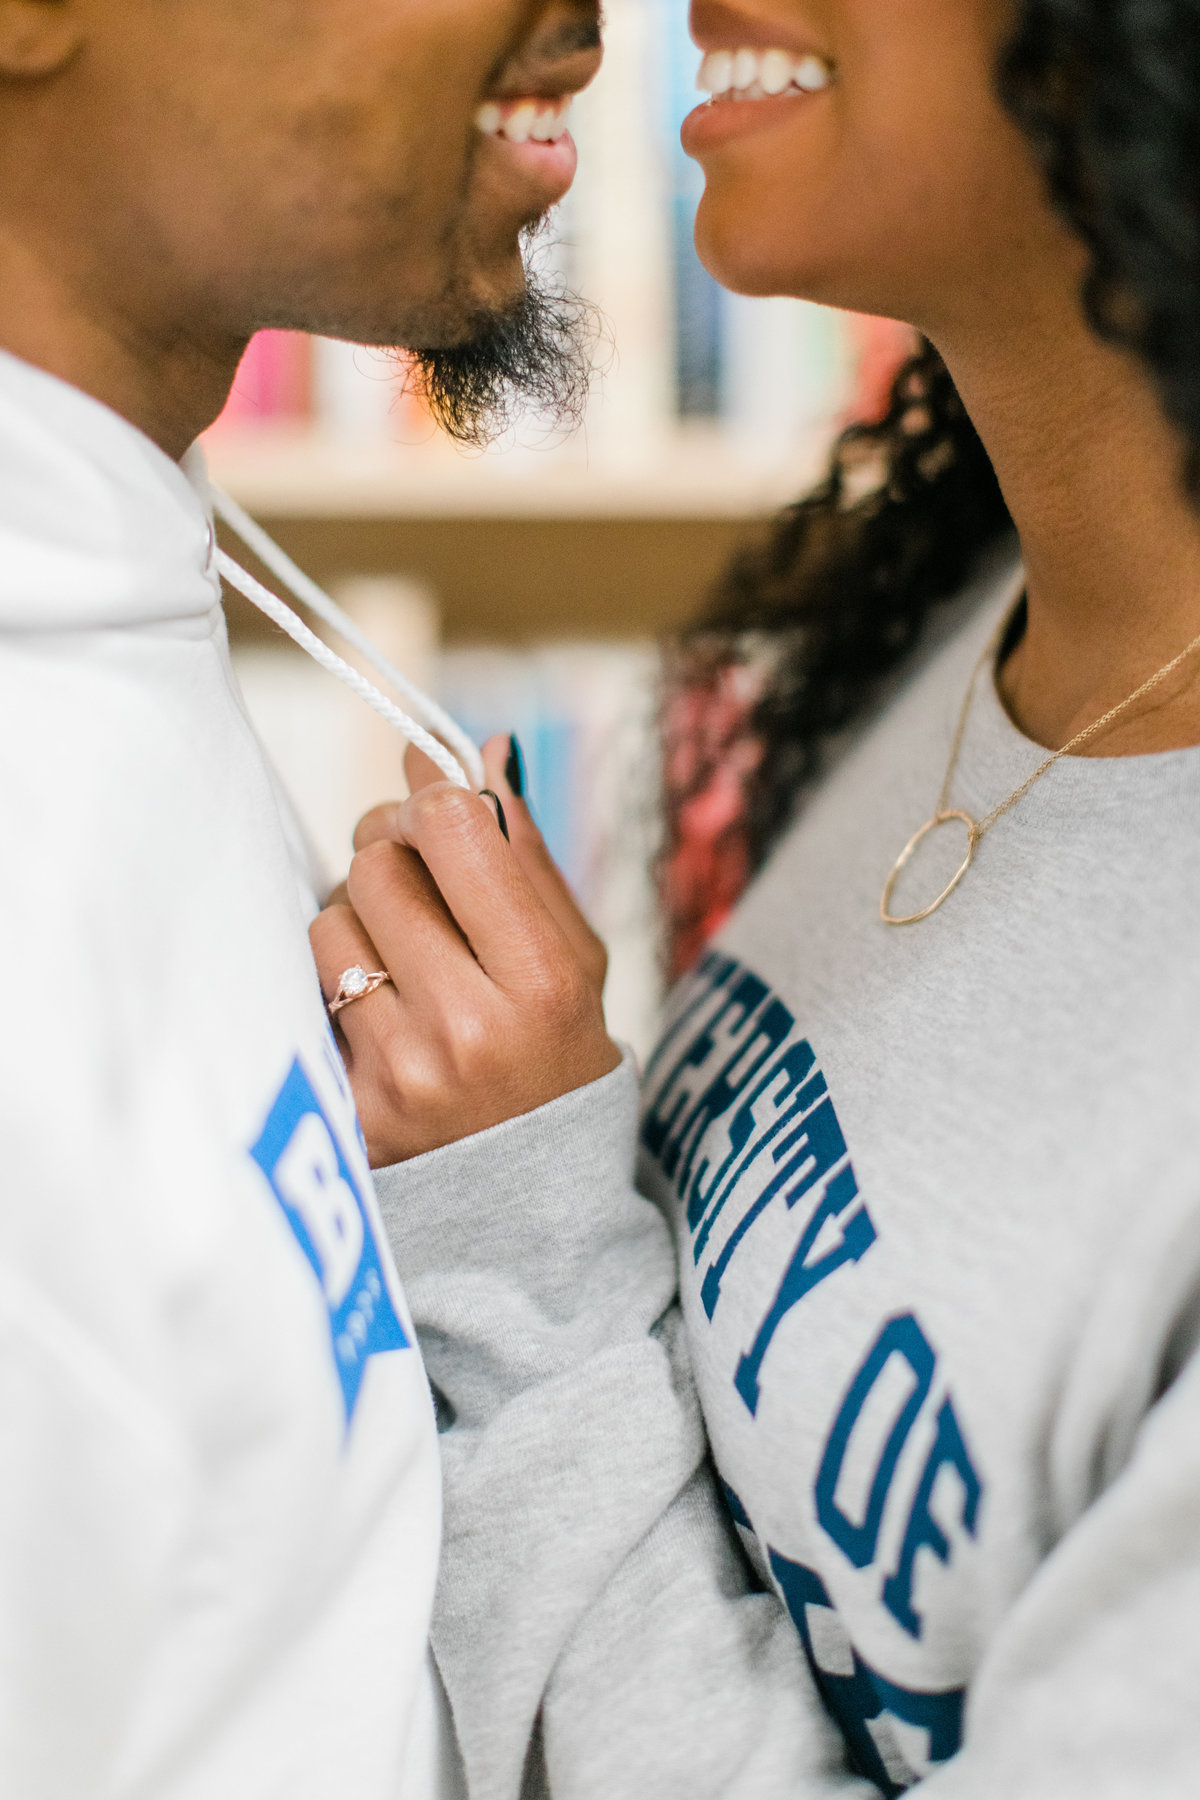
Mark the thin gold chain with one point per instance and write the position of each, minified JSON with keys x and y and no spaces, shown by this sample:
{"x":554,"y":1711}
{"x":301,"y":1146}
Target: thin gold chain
{"x":1081,"y":737}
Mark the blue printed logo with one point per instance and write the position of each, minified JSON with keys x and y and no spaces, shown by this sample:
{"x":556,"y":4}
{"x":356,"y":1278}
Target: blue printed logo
{"x":299,"y":1153}
{"x":739,"y":1119}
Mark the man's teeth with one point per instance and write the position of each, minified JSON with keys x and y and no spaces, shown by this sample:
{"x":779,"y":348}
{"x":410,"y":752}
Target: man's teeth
{"x":543,"y":121}
{"x":760,"y":74}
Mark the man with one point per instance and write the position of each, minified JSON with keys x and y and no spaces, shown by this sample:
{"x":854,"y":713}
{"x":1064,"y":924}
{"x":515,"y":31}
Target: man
{"x":220,"y":1514}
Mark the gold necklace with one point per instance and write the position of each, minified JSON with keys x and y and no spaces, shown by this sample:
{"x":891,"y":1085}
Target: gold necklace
{"x":978,"y":829}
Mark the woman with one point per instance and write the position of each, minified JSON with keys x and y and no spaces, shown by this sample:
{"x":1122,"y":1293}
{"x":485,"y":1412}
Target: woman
{"x":923,"y":1118}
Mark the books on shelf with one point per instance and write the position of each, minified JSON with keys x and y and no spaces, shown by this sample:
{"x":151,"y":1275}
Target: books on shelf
{"x":273,"y":382}
{"x":698,"y":301}
{"x":359,"y":395}
{"x":351,"y":393}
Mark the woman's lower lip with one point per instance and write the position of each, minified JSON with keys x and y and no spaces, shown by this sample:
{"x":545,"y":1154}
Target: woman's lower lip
{"x":721,"y":121}
{"x":546,"y":170}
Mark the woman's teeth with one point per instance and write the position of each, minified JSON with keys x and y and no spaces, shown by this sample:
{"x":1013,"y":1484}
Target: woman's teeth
{"x":543,"y":121}
{"x":761,"y":74}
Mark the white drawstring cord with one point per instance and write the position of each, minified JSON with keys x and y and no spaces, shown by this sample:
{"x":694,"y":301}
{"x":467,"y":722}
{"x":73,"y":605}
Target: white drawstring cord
{"x":320,"y":652}
{"x":310,"y":595}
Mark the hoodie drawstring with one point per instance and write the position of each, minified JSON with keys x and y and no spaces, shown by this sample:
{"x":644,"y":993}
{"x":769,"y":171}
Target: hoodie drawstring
{"x":303,"y":588}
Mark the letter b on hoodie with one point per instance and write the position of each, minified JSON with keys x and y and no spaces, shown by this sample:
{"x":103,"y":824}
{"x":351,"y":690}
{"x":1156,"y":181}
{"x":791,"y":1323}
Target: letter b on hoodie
{"x":314,"y":1186}
{"x":299,"y":1153}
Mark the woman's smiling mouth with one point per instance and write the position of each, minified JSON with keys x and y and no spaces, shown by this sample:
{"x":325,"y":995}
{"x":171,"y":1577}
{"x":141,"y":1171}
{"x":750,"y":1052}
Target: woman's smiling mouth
{"x":749,"y":88}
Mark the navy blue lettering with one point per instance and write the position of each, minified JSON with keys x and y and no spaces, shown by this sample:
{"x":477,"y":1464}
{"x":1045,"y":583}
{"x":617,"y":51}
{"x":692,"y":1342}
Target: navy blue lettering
{"x":801,"y":1276}
{"x":711,"y":972}
{"x":707,"y":1005}
{"x":855,"y":1694}
{"x":771,"y":1028}
{"x":817,"y":1147}
{"x":941,"y":1715}
{"x":737,"y":1511}
{"x":923,"y":1531}
{"x":901,"y":1337}
{"x":789,"y":1071}
{"x":661,"y":1131}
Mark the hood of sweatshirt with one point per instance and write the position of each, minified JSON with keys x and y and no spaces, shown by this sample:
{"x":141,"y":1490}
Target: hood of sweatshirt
{"x":100,"y":529}
{"x":98,"y":526}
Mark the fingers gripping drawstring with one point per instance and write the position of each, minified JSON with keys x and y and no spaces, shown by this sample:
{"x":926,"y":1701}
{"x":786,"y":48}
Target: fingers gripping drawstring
{"x":465,"y":753}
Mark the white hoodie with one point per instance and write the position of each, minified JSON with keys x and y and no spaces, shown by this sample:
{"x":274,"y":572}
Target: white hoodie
{"x":220,"y":1505}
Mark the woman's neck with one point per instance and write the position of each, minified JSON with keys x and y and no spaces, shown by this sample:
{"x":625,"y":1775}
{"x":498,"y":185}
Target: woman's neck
{"x":1092,"y":475}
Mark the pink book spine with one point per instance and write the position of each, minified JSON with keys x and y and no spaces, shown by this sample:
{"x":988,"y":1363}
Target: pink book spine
{"x":273,"y":384}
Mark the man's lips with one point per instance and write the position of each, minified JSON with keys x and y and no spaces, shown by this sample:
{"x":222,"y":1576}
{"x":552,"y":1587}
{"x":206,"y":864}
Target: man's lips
{"x":524,"y":116}
{"x":529,"y":140}
{"x":562,"y":60}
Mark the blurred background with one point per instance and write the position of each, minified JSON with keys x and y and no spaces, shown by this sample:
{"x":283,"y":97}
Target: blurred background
{"x":527,"y":585}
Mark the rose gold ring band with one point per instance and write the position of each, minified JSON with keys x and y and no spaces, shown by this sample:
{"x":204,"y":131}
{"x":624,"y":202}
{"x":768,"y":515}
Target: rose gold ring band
{"x":356,"y":983}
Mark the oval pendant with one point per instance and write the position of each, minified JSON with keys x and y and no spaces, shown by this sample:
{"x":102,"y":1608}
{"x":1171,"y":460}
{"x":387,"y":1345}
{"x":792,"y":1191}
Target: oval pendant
{"x":905,"y":857}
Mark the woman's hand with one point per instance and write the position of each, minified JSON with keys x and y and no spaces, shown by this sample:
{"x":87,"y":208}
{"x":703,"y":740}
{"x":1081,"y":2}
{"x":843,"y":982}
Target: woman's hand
{"x":495,"y":1003}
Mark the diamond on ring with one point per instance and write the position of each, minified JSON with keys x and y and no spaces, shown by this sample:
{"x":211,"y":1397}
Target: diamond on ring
{"x":354,"y":983}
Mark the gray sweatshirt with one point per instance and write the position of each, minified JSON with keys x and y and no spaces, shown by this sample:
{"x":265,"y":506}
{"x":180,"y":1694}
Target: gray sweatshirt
{"x":918,"y":1257}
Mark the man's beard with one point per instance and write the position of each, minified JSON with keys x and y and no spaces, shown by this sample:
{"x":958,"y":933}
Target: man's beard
{"x":531,"y":358}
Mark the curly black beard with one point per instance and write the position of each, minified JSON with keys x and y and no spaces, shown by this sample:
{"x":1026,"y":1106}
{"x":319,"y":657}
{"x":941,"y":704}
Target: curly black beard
{"x":533,"y":359}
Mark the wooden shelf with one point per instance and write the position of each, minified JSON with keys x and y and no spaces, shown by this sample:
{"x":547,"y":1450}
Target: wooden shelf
{"x":687,"y":473}
{"x":520,"y":544}
{"x":513,"y":580}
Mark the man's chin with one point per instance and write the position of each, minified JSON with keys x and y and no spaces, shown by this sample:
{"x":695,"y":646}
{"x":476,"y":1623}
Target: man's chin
{"x":506,"y":354}
{"x":494,"y":291}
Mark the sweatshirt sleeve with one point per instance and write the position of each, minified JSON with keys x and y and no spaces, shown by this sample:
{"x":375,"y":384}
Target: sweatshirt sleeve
{"x":597,"y":1627}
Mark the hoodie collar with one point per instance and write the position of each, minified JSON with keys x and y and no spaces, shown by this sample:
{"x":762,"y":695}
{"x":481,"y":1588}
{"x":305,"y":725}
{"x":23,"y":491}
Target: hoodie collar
{"x":98,"y":526}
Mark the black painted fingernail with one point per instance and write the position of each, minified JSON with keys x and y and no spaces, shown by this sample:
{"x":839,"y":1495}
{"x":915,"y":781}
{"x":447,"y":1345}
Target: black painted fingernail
{"x":514,"y":768}
{"x":502,"y":822}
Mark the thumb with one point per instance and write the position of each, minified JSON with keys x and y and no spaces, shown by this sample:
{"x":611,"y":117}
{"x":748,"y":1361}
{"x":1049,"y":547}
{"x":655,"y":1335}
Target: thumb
{"x":420,"y":770}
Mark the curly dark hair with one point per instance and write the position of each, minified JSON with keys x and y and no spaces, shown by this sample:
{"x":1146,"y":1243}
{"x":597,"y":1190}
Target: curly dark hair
{"x":820,"y":614}
{"x":1108,"y":92}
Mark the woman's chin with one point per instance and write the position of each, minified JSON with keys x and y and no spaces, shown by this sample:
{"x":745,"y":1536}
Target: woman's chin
{"x":728,"y":255}
{"x":745,"y":262}
{"x":749,"y":256}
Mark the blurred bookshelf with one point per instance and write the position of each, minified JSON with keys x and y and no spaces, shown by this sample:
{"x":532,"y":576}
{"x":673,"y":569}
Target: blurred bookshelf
{"x":527,"y":583}
{"x":518,"y":544}
{"x":696,"y":471}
